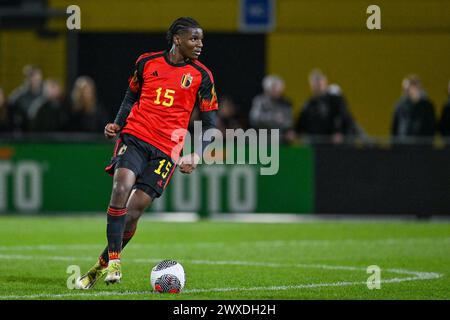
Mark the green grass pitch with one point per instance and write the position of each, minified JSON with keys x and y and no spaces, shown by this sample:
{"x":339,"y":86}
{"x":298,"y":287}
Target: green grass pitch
{"x":310,"y":260}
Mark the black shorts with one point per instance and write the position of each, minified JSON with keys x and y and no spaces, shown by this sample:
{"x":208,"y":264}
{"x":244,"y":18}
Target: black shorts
{"x":152,"y":167}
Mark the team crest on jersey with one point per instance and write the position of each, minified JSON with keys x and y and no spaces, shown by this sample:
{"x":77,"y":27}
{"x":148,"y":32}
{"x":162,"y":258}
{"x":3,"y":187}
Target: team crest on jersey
{"x":186,"y":80}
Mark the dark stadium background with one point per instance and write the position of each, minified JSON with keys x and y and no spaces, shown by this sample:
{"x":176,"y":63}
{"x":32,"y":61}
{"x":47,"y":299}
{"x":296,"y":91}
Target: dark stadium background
{"x":238,"y":60}
{"x":368,"y":176}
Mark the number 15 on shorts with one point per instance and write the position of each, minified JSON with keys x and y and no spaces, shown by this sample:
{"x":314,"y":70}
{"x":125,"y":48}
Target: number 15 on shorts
{"x":163,"y":171}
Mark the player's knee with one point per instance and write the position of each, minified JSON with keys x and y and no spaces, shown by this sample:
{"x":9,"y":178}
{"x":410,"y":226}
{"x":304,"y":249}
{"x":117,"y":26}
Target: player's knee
{"x":139,"y":202}
{"x":121,"y":190}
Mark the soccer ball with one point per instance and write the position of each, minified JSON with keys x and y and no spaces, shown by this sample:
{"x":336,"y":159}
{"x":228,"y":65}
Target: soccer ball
{"x":167,"y":277}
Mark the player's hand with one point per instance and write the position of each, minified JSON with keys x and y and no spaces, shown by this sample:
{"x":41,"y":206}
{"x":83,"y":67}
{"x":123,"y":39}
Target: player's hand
{"x":111,"y":130}
{"x":189,"y":162}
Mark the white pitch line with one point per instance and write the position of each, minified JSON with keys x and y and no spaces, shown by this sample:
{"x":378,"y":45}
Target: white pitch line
{"x":211,"y":290}
{"x":309,"y":242}
{"x":417,"y":275}
{"x":275,"y":243}
{"x":305,"y":286}
{"x":74,"y":294}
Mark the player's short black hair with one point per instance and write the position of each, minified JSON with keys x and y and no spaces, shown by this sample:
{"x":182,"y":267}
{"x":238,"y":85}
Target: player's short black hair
{"x":179,"y":26}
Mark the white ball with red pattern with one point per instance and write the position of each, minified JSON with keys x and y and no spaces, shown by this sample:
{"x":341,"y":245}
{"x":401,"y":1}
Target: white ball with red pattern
{"x":168,"y":277}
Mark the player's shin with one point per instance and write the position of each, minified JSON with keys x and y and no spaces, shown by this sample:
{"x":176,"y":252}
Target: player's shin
{"x":114,"y":231}
{"x":130,"y":229}
{"x":127,"y":235}
{"x":103,"y":259}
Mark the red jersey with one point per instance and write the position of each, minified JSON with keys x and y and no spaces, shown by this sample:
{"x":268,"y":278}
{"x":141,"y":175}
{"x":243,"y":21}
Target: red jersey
{"x":168,"y":94}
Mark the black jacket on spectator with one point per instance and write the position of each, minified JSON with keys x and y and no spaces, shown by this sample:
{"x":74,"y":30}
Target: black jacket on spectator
{"x":444,"y":124}
{"x":4,"y":120}
{"x":325,"y":115}
{"x":94,"y":122}
{"x":47,"y":115}
{"x":414,"y":119}
{"x":271,"y":113}
{"x":19,"y":102}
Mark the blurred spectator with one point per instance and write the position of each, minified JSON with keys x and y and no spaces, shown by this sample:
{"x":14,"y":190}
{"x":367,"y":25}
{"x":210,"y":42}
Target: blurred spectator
{"x":86,"y":114}
{"x":354,"y":128}
{"x":414,"y":115}
{"x":271,"y":110}
{"x":444,"y":123}
{"x":47,"y":113}
{"x":227,"y":117}
{"x":326,"y":112}
{"x":22,"y":97}
{"x":404,"y":96}
{"x":334,"y":89}
{"x":4,"y":119}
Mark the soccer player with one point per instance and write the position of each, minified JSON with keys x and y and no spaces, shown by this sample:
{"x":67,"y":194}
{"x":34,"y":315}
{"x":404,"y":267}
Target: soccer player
{"x":163,"y":90}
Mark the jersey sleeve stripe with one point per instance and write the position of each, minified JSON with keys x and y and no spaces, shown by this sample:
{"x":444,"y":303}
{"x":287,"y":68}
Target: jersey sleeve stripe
{"x":150,"y":55}
{"x":201,"y":67}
